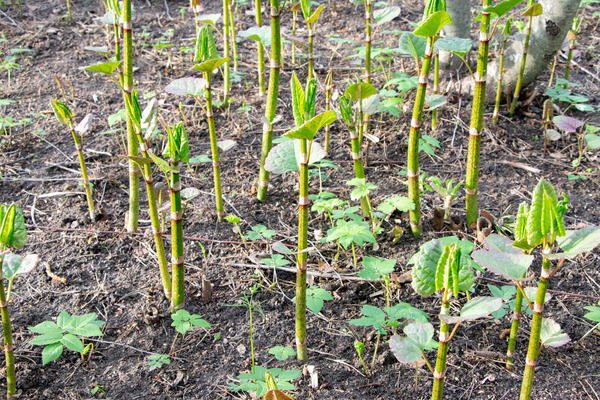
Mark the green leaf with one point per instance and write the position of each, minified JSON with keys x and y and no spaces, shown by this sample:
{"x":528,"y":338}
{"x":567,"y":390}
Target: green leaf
{"x":433,"y":24}
{"x":543,"y":221}
{"x":51,"y":353}
{"x":405,"y":350}
{"x":386,"y":14}
{"x":405,"y":311}
{"x":577,"y":242}
{"x":400,"y":203}
{"x":375,"y":268}
{"x":309,"y":129}
{"x":282,"y":158}
{"x":103,"y":67}
{"x":359,"y":91}
{"x":13,"y":264}
{"x":551,"y":335}
{"x":209,"y":66}
{"x":420,"y":332}
{"x":282,"y":353}
{"x":593,"y":314}
{"x":361,"y":188}
{"x":276,"y":260}
{"x":46,"y":327}
{"x":47,"y":338}
{"x":156,"y":361}
{"x":62,"y":112}
{"x":162,"y":164}
{"x":261,"y":34}
{"x":411,"y":44}
{"x":435,"y":101}
{"x":234,"y":219}
{"x":348,"y":232}
{"x":315,"y":298}
{"x":593,"y":141}
{"x":502,"y":8}
{"x":177,"y":146}
{"x":187,"y":87}
{"x":297,"y":99}
{"x":12,"y":226}
{"x":72,"y":343}
{"x":372,"y":316}
{"x":533,"y":11}
{"x":315,"y":16}
{"x":459,"y":46}
{"x":425,"y":263}
{"x":198,"y":322}
{"x":475,"y":308}
{"x":508,"y":265}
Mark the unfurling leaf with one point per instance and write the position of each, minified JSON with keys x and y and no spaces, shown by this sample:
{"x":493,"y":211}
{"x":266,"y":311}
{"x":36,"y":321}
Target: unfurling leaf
{"x":62,"y":112}
{"x":12,"y":227}
{"x":103,"y":67}
{"x":433,"y":24}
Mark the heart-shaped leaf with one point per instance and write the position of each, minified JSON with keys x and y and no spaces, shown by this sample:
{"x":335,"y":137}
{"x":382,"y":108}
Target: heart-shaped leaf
{"x":261,"y":34}
{"x":386,"y":14}
{"x":412,"y":44}
{"x":14,"y":264}
{"x":551,"y":334}
{"x":209,"y":66}
{"x":593,"y":141}
{"x":459,"y":46}
{"x":309,"y":129}
{"x":282,"y":158}
{"x":508,"y":265}
{"x":359,"y":91}
{"x":187,"y":87}
{"x":475,"y":308}
{"x":103,"y":67}
{"x":567,"y":124}
{"x":433,"y":24}
{"x":533,"y":11}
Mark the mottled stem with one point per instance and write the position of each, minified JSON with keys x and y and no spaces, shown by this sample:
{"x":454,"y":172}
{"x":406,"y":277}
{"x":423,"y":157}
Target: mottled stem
{"x":11,"y":385}
{"x":177,"y":297}
{"x":514,"y":328}
{"x":303,"y":204}
{"x":214,"y":148}
{"x":261,"y":51}
{"x":516,"y":94}
{"x":500,"y":76}
{"x":476,"y":127}
{"x":440,"y":364}
{"x":84,"y":175}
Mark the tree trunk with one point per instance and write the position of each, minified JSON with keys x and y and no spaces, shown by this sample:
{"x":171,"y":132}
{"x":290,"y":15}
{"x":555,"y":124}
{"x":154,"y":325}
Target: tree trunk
{"x":460,"y":12}
{"x":548,"y":33}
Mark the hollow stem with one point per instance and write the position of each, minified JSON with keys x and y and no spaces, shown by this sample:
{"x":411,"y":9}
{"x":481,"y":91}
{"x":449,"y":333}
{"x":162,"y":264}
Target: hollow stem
{"x":499,"y":88}
{"x":515,"y":99}
{"x":260,"y":51}
{"x":440,"y":363}
{"x":413,"y":141}
{"x":11,"y":386}
{"x":177,"y":297}
{"x":303,"y":204}
{"x":477,"y":119}
{"x":271,"y":105}
{"x":534,"y":337}
{"x":514,"y":328}
{"x":311,"y":61}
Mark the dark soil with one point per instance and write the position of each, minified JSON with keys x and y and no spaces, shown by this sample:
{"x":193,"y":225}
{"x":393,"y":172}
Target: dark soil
{"x":114,"y":274}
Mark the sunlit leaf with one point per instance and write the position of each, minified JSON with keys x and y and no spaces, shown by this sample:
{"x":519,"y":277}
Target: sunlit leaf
{"x":433,"y":24}
{"x":187,"y":87}
{"x":478,"y":307}
{"x":551,"y":334}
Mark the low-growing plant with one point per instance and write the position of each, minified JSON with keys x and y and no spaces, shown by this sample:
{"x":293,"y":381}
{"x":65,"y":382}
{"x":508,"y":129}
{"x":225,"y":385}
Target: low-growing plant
{"x":353,"y":232}
{"x":446,"y":190}
{"x":256,"y":381}
{"x":12,"y":236}
{"x":65,"y":116}
{"x":282,"y":353}
{"x":442,"y":265}
{"x":540,"y":224}
{"x":235,"y":220}
{"x":156,"y":361}
{"x":68,"y":331}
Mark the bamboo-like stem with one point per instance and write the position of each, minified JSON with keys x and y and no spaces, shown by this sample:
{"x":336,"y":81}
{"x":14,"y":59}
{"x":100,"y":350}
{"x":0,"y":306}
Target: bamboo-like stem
{"x":500,"y":78}
{"x":552,"y":71}
{"x":536,"y":326}
{"x":177,"y":296}
{"x":359,"y":169}
{"x":226,"y":67}
{"x":84,"y":175}
{"x":440,"y":363}
{"x":214,"y":148}
{"x":233,"y":42}
{"x":303,"y":204}
{"x":436,"y":88}
{"x":477,"y":118}
{"x":515,"y":99}
{"x":514,"y":328}
{"x":11,"y":385}
{"x":413,"y":141}
{"x":294,"y":22}
{"x":311,"y":61}
{"x":132,"y":144}
{"x":271,"y":105}
{"x":154,"y":217}
{"x":369,"y":38}
{"x":261,"y":51}
{"x":195,"y":10}
{"x":328,"y":94}
{"x":573,"y":38}
{"x":69,"y":18}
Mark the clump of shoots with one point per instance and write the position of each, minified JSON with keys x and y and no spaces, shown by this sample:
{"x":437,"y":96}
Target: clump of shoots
{"x":305,"y":151}
{"x":12,"y":236}
{"x":235,"y":220}
{"x":533,"y":9}
{"x":310,"y":18}
{"x":446,"y":190}
{"x":434,"y":19}
{"x":232,"y":36}
{"x":183,"y":322}
{"x":328,"y":95}
{"x":543,"y":227}
{"x":441,"y":266}
{"x":271,"y":104}
{"x":353,"y":119}
{"x":65,"y":116}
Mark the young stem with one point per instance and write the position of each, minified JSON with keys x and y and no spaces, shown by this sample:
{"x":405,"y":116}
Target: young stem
{"x":536,"y":325}
{"x":196,"y":21}
{"x":226,"y":67}
{"x":477,"y":119}
{"x":413,"y":141}
{"x":294,"y":21}
{"x":132,"y":144}
{"x":86,"y":181}
{"x":368,"y":40}
{"x":328,"y":94}
{"x":177,"y":296}
{"x":214,"y":148}
{"x":500,"y":77}
{"x":375,"y":351}
{"x":515,"y":99}
{"x":311,"y":61}
{"x":514,"y":328}
{"x":11,"y":386}
{"x":436,"y":88}
{"x":354,"y":254}
{"x":251,"y":332}
{"x":440,"y":363}
{"x":303,"y":204}
{"x":271,"y":105}
{"x":233,"y":42}
{"x":261,"y":51}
